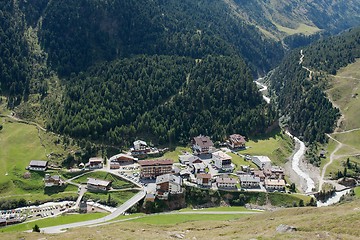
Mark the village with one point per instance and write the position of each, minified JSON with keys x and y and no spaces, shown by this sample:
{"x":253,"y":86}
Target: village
{"x":205,"y":167}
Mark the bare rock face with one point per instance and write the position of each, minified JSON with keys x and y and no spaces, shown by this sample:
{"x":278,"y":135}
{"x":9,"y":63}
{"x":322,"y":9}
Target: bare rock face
{"x":282,"y":228}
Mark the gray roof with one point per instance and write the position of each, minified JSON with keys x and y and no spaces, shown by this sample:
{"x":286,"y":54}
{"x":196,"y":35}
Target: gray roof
{"x":55,"y":177}
{"x":98,"y":182}
{"x":168,"y":178}
{"x":249,"y":178}
{"x":38,"y":163}
{"x":187,"y":158}
{"x":226,"y":180}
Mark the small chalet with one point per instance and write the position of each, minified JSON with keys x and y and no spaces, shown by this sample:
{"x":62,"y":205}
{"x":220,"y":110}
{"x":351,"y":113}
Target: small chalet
{"x":274,"y":184}
{"x":140,"y":149}
{"x":202,"y":145}
{"x":322,"y":154}
{"x":153,"y":168}
{"x":203,"y":179}
{"x":249,"y":181}
{"x":114,"y":165}
{"x":222,"y":161}
{"x":277,"y":171}
{"x":123,"y":159}
{"x":168,"y":184}
{"x":140,"y":145}
{"x":51,"y":181}
{"x":259,"y":174}
{"x":95,"y":163}
{"x":96,"y":185}
{"x":236,"y":141}
{"x":226,"y":182}
{"x":37,"y":165}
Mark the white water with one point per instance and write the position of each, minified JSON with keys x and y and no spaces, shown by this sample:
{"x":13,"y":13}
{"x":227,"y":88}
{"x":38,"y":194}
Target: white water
{"x":263,"y":89}
{"x":295,"y":164}
{"x":334,"y":199}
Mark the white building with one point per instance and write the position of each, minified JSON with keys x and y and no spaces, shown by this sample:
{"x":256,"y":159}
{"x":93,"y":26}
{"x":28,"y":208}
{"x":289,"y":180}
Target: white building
{"x":226,"y":182}
{"x":249,"y":181}
{"x":203,"y":179}
{"x":222,"y":161}
{"x":274,"y":184}
{"x":168,"y":184}
{"x":140,"y":145}
{"x":262,"y":161}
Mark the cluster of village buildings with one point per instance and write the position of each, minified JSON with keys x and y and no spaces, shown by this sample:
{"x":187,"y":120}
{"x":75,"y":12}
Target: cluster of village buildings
{"x":205,"y":167}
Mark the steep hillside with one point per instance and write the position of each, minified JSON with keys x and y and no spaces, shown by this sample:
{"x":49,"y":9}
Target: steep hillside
{"x":299,"y":84}
{"x":167,"y":99}
{"x":281,"y":18}
{"x":14,"y":53}
{"x":77,"y":34}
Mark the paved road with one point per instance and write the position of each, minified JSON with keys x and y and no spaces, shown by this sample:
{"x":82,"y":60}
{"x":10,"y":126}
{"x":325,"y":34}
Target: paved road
{"x":122,"y":209}
{"x":81,"y":194}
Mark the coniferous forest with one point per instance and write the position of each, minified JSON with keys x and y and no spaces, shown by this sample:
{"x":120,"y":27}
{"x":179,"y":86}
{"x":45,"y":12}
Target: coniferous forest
{"x":111,"y":71}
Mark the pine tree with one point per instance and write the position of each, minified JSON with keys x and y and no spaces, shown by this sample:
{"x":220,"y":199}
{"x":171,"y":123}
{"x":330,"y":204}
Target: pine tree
{"x":36,"y":228}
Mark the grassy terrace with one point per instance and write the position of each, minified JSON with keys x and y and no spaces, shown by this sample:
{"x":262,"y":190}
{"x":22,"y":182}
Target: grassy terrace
{"x":171,"y":219}
{"x":174,"y":154}
{"x":343,"y":90}
{"x":48,"y":222}
{"x":218,"y":209}
{"x":357,"y":192}
{"x":118,"y":197}
{"x":276,"y":145}
{"x":20,"y":143}
{"x":117,"y":182}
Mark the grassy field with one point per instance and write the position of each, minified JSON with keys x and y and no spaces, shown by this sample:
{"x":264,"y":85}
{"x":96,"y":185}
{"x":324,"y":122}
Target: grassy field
{"x":343,"y":90}
{"x":217,"y":209}
{"x":352,"y":139}
{"x":302,"y":28}
{"x":174,"y":154}
{"x":171,"y":219}
{"x":357,"y":192}
{"x":336,"y":222}
{"x":20,"y":143}
{"x":277,"y":146}
{"x":239,"y":161}
{"x":119,"y":197}
{"x":117,"y":182}
{"x":48,"y":222}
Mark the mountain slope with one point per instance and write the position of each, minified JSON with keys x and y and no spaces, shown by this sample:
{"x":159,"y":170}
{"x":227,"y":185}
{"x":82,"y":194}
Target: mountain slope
{"x":299,"y":85}
{"x":78,"y":34}
{"x":281,"y":18}
{"x":167,"y":99}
